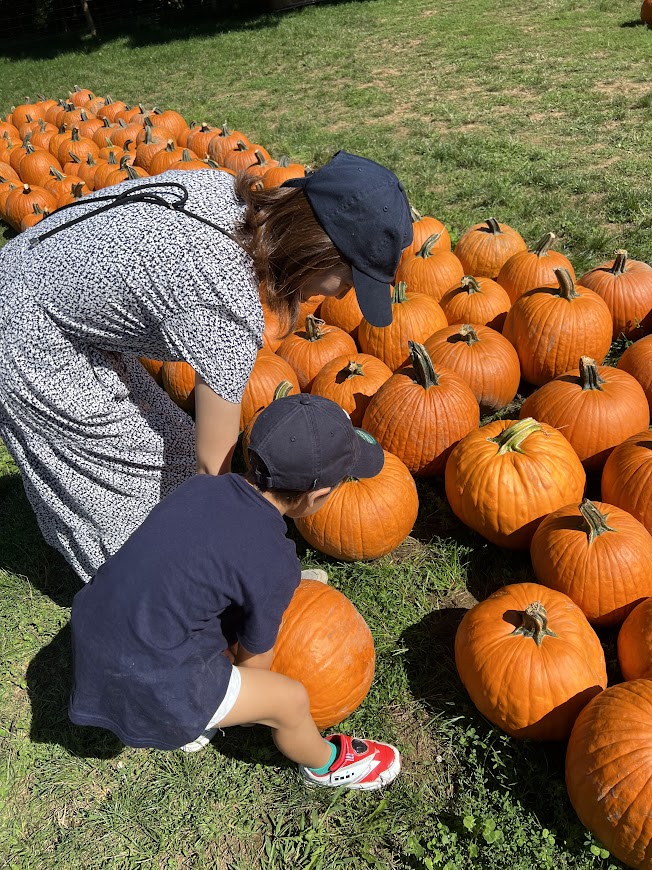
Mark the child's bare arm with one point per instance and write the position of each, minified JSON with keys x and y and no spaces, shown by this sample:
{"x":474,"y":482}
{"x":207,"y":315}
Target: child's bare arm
{"x":246,"y":659}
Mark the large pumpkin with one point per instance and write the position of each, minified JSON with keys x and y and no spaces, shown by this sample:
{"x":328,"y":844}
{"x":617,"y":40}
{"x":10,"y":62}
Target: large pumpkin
{"x":309,"y":348}
{"x":431,"y":270}
{"x":351,"y":380}
{"x":485,"y":248}
{"x":421,"y":412}
{"x":505,"y":477}
{"x":626,"y":287}
{"x":529,"y":660}
{"x":598,"y":555}
{"x":551,"y":328}
{"x":476,"y":300}
{"x":268,"y":371}
{"x":526,"y":270}
{"x":365,"y":519}
{"x":627,"y":477}
{"x":635,"y":642}
{"x":594,"y":407}
{"x":637,"y":361}
{"x":325,"y":644}
{"x":609,"y":770}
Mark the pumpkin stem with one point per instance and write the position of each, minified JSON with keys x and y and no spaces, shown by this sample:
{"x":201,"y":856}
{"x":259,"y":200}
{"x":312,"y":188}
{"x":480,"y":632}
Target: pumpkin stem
{"x":186,"y":156}
{"x":56,"y":173}
{"x":589,"y":374}
{"x":619,"y":263}
{"x":469,"y":283}
{"x":566,"y":285}
{"x":511,"y":439}
{"x":426,"y":376}
{"x":77,"y":190}
{"x":240,"y":146}
{"x":260,"y":158}
{"x":468,"y":333}
{"x":350,"y":370}
{"x":282,"y":390}
{"x":414,"y":214}
{"x":534,"y":623}
{"x":400,"y":293}
{"x":428,"y":245}
{"x":494,"y":226}
{"x":225,"y":130}
{"x":313,"y":327}
{"x":595,"y":522}
{"x":543,"y":245}
{"x":284,"y":161}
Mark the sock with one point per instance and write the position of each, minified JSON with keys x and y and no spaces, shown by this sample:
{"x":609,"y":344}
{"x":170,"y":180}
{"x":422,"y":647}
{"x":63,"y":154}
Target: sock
{"x":321,"y":771}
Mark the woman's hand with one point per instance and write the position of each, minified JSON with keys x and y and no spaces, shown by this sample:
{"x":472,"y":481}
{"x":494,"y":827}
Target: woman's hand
{"x":217,"y":424}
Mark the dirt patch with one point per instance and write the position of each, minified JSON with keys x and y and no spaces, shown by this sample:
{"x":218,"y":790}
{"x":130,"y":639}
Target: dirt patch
{"x":622,"y":87}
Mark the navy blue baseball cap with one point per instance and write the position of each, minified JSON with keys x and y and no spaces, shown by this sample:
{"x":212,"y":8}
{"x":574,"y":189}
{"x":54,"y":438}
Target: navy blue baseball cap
{"x":308,"y":442}
{"x":365,"y":211}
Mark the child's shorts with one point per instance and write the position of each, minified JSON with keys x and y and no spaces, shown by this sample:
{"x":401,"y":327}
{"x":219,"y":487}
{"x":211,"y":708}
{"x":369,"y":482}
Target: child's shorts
{"x":229,"y":699}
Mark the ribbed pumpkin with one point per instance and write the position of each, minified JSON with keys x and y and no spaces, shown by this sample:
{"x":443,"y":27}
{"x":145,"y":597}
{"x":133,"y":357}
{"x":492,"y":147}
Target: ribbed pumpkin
{"x":414,"y":317}
{"x":626,"y":287}
{"x":484,"y":248}
{"x":76,"y":192}
{"x":637,"y":361}
{"x":199,"y":139}
{"x":526,"y":270}
{"x":243,"y":156}
{"x":351,"y":380}
{"x":36,"y":164}
{"x":58,"y":183}
{"x":77,"y":145}
{"x":598,"y":555}
{"x":30,"y":220}
{"x":635,"y":642}
{"x":148,"y":148}
{"x":483,"y":358}
{"x":309,"y":306}
{"x":172,"y":120}
{"x":276,"y":175}
{"x":325,"y":644}
{"x":422,"y":228}
{"x":104,"y":170}
{"x":551,"y":328}
{"x":476,"y":300}
{"x":344,"y":313}
{"x":529,"y":660}
{"x":21,"y":201}
{"x":225,"y":141}
{"x":124,"y":172}
{"x":365,"y":519}
{"x":430,"y":270}
{"x":102,"y":136}
{"x":188,"y":162}
{"x":504,"y":478}
{"x":164,"y":158}
{"x":8,"y":174}
{"x":268,"y":371}
{"x":87,"y":170}
{"x":609,"y":770}
{"x":627,"y":477}
{"x":179,"y":383}
{"x":309,"y":348}
{"x":111,"y":109}
{"x":420,"y":413}
{"x":594,"y":407}
{"x":88,"y":126}
{"x":273,"y":329}
{"x":154,"y":367}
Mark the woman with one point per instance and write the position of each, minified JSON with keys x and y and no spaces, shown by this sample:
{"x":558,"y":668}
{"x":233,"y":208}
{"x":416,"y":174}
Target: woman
{"x":168,"y":268}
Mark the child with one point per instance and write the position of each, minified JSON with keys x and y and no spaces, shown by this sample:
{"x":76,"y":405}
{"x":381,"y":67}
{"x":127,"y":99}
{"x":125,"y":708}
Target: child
{"x":211,"y":563}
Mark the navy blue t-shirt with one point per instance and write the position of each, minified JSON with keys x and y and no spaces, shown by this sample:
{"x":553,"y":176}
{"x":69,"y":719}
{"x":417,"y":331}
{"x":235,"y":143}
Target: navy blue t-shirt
{"x":149,"y":630}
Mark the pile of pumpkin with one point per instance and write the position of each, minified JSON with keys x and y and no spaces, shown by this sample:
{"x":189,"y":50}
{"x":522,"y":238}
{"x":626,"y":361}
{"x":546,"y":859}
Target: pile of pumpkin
{"x":469,"y":326}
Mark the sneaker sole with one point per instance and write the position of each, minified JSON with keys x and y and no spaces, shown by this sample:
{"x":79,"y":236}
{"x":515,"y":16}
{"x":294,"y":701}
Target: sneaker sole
{"x":383,"y":780}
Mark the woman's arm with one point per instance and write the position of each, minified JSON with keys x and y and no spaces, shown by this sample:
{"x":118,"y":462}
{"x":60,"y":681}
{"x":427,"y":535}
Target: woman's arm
{"x":217,"y":424}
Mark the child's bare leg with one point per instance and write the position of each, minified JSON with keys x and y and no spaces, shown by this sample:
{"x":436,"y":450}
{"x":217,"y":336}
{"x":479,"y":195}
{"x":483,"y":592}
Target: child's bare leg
{"x":282,"y":704}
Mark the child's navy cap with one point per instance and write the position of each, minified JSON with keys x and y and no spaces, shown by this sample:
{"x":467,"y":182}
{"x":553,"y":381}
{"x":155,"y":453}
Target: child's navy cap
{"x":363,"y":208}
{"x":308,"y":442}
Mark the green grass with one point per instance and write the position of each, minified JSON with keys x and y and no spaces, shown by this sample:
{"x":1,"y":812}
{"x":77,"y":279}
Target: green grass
{"x":539,"y":114}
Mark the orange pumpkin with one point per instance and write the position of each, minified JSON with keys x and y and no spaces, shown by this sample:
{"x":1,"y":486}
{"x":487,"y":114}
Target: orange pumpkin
{"x":626,"y":287}
{"x":598,"y":555}
{"x":148,"y":148}
{"x":351,"y":380}
{"x":273,"y":332}
{"x":635,"y":642}
{"x":430,"y":271}
{"x":504,"y":478}
{"x":529,"y":660}
{"x":422,"y":229}
{"x":476,"y":300}
{"x":21,"y":201}
{"x":526,"y":270}
{"x":154,"y":367}
{"x":164,"y":158}
{"x":224,"y":142}
{"x":179,"y":383}
{"x":276,"y":175}
{"x":420,"y":413}
{"x":551,"y":328}
{"x":609,"y":770}
{"x":199,"y":139}
{"x":365,"y":519}
{"x":173,"y":121}
{"x":485,"y":248}
{"x":325,"y":644}
{"x":344,"y":313}
{"x":309,"y":348}
{"x":269,"y":369}
{"x":627,"y":477}
{"x":243,"y":156}
{"x":637,"y":361}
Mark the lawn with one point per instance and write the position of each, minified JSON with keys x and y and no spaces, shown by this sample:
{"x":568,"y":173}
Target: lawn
{"x":539,"y":114}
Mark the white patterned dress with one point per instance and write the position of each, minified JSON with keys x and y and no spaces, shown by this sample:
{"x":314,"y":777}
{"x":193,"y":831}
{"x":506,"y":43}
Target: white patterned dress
{"x":97,"y":441}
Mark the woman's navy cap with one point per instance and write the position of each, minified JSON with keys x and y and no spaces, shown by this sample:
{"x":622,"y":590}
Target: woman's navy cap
{"x":308,"y":442}
{"x":363,"y":208}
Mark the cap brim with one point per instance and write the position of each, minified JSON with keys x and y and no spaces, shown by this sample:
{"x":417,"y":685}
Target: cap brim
{"x":373,"y":297}
{"x":295,"y":182}
{"x":371,"y":456}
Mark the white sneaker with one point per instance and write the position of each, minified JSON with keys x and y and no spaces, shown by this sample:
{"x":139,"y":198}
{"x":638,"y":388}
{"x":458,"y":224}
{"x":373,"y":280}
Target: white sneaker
{"x":317,"y":574}
{"x":364,"y":765}
{"x":201,"y":742}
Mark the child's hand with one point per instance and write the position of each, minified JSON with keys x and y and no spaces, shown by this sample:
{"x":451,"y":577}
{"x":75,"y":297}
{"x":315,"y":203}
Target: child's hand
{"x":231,"y":652}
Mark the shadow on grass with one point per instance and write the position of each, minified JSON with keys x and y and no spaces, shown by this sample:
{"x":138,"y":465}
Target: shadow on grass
{"x":635,"y":22}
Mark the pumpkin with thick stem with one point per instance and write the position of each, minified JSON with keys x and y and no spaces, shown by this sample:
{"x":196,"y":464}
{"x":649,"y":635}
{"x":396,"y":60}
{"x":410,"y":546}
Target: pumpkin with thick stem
{"x":87,"y":126}
{"x":526,"y":270}
{"x":104,"y":170}
{"x":21,"y":201}
{"x":414,"y":317}
{"x":125,"y":172}
{"x":25,"y":111}
{"x":58,"y":184}
{"x":164,"y":158}
{"x":431,"y":270}
{"x":609,"y":770}
{"x":30,"y":220}
{"x":124,"y":133}
{"x":225,"y":141}
{"x":148,"y":148}
{"x":504,"y":478}
{"x":81,"y":96}
{"x":42,"y":136}
{"x":636,"y":361}
{"x":199,"y":139}
{"x":325,"y":644}
{"x":88,"y":168}
{"x":246,"y":156}
{"x":635,"y":642}
{"x":627,"y":477}
{"x":552,"y":327}
{"x":276,"y":175}
{"x":598,"y":555}
{"x":476,"y":300}
{"x":36,"y":165}
{"x":77,"y":145}
{"x":179,"y":383}
{"x":111,"y":110}
{"x":529,"y":660}
{"x":485,"y":247}
{"x":594,"y":407}
{"x":351,"y":380}
{"x":268,"y":371}
{"x":102,"y":136}
{"x":173,"y":121}
{"x":423,"y":227}
{"x":76,"y":192}
{"x":188,"y":162}
{"x":483,"y":358}
{"x":626,"y":287}
{"x":310,"y":347}
{"x":420,"y":413}
{"x":366,"y":518}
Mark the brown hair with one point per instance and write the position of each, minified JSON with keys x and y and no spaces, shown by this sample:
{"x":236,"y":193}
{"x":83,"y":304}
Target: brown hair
{"x":291,"y":497}
{"x":286,"y":242}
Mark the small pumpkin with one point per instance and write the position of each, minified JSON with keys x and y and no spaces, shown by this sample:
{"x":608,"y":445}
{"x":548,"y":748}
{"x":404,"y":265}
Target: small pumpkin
{"x":164,"y":158}
{"x":637,"y":361}
{"x":351,"y":380}
{"x":526,"y":270}
{"x":344,"y":313}
{"x":21,"y":201}
{"x":476,"y":300}
{"x":224,"y":142}
{"x":431,"y":270}
{"x":627,"y":477}
{"x":423,"y":227}
{"x":529,"y":660}
{"x":269,"y":369}
{"x":148,"y":148}
{"x":626,"y":287}
{"x":309,"y":348}
{"x":635,"y":642}
{"x":276,"y":175}
{"x":485,"y":247}
{"x":243,"y":156}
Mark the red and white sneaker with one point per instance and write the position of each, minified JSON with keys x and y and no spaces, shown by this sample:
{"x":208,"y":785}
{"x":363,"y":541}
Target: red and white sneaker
{"x":359,"y":764}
